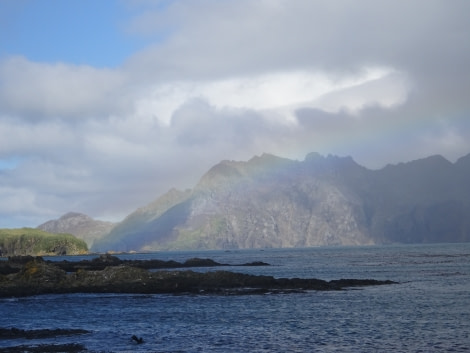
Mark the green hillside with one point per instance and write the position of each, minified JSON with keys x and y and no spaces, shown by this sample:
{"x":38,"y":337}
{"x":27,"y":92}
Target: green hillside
{"x":29,"y":241}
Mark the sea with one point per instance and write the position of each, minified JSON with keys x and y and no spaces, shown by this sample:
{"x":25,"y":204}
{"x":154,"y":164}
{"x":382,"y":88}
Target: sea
{"x":428,"y":310}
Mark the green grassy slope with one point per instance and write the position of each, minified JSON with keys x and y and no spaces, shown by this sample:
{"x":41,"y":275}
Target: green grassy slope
{"x":29,"y":241}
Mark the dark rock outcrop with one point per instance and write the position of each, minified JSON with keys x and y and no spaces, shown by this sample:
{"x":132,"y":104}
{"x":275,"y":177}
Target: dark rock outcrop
{"x":14,"y":264}
{"x":138,"y":340}
{"x":13,"y":333}
{"x":41,"y":334}
{"x":40,"y":277}
{"x":46,"y":348}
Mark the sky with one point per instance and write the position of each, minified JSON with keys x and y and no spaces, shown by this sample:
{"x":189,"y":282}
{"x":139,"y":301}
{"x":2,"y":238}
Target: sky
{"x":106,"y":105}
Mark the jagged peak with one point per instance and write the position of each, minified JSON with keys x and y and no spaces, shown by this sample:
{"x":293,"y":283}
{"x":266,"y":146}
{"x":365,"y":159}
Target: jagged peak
{"x":228,"y":172}
{"x":69,"y":215}
{"x":316,"y":162}
{"x":264,"y":157}
{"x":437,"y":158}
{"x":75,"y":216}
{"x":313,"y":157}
{"x":267,"y":159}
{"x":266,"y":163}
{"x":218,"y":174}
{"x":338,"y":161}
{"x":434,"y":160}
{"x":465,"y":160}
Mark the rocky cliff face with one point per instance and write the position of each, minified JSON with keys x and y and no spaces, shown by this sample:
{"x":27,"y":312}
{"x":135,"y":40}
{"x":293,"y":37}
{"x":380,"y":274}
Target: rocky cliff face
{"x":421,"y":201}
{"x":274,"y":202}
{"x":80,"y":225}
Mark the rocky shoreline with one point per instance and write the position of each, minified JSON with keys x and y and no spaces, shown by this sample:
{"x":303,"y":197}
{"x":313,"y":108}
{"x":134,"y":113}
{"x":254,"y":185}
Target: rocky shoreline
{"x":16,"y":333}
{"x":15,"y":263}
{"x":26,"y":276}
{"x":46,"y":348}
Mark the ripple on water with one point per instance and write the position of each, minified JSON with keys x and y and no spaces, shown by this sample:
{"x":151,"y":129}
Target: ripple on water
{"x":428,"y":312}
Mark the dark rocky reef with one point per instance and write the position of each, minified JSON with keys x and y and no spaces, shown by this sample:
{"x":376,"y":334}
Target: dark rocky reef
{"x":16,"y":333}
{"x":46,"y":348}
{"x":37,"y":276}
{"x":15,"y":263}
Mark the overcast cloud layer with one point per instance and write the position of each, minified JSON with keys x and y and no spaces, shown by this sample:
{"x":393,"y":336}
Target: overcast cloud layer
{"x":382,"y":81}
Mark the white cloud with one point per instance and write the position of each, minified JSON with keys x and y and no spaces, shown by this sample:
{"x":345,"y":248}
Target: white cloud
{"x":287,"y":90}
{"x":19,"y":138}
{"x":387,"y":90}
{"x":43,"y":90}
{"x":227,"y":80}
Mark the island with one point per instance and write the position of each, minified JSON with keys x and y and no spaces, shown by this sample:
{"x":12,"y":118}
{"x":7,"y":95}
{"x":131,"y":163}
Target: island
{"x":26,"y":276}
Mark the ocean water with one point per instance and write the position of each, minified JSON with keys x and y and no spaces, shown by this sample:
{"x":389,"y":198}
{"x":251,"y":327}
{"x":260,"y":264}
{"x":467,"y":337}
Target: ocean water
{"x":428,"y":311}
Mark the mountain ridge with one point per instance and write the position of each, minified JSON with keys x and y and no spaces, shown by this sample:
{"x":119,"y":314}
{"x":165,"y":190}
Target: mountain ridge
{"x":270,"y":201}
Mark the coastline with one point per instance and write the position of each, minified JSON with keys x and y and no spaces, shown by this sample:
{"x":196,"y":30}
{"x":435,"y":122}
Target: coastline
{"x":26,"y":276}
